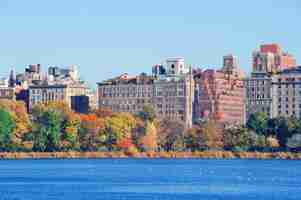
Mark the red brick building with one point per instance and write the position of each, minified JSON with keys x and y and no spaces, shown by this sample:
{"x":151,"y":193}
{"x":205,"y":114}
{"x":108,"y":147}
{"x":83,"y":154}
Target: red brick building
{"x":271,"y":58}
{"x":220,"y":96}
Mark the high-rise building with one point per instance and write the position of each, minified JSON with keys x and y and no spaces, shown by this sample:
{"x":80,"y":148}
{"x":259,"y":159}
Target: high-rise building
{"x":268,"y":63}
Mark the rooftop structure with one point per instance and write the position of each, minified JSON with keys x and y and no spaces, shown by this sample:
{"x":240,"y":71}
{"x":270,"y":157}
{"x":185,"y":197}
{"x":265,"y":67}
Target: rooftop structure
{"x":270,"y":58}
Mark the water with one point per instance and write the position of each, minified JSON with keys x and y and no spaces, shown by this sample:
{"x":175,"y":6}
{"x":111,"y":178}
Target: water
{"x":150,"y":179}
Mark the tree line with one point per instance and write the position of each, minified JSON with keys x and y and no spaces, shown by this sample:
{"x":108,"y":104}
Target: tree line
{"x":54,"y":127}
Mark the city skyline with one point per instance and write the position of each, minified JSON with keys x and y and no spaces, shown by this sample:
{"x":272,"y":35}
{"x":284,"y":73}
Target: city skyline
{"x":93,"y":35}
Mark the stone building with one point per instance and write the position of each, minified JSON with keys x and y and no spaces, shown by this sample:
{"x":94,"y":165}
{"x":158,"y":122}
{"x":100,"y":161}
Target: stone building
{"x":44,"y":93}
{"x":286,"y":90}
{"x":6,"y":92}
{"x":169,"y":90}
{"x":259,"y":94}
{"x":268,"y":64}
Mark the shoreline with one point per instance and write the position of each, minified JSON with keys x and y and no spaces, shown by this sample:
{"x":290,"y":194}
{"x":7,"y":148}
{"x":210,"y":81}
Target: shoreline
{"x":167,"y":155}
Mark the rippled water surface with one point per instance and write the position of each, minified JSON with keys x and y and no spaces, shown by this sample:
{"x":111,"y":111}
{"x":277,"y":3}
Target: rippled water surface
{"x":150,"y":179}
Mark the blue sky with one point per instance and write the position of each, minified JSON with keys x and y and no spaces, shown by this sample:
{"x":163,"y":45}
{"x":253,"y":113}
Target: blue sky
{"x":106,"y":38}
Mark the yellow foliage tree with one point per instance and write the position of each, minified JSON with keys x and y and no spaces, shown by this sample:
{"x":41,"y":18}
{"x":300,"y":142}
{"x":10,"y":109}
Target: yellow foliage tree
{"x":149,"y":140}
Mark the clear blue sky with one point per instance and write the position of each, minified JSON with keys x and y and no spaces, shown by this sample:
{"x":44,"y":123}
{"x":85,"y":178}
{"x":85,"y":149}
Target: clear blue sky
{"x":106,"y":38}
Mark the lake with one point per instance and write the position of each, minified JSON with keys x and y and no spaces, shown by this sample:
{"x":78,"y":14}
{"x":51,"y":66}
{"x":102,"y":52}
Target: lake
{"x":149,"y":179}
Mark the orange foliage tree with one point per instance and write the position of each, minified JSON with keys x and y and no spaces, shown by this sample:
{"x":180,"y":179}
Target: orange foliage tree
{"x":91,"y":132}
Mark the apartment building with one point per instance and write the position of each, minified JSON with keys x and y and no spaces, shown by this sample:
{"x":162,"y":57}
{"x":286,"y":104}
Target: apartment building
{"x":269,"y":64}
{"x":45,"y":92}
{"x":169,"y":90}
{"x":219,"y":96}
{"x":6,"y":92}
{"x":259,"y":94}
{"x":286,"y":89}
{"x":270,"y":58}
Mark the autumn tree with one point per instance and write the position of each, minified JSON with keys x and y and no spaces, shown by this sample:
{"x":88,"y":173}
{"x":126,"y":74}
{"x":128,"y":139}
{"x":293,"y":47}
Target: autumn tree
{"x":148,"y":141}
{"x":18,"y":112}
{"x":103,"y":112}
{"x":204,"y":136}
{"x":211,"y":137}
{"x":70,"y":135}
{"x":118,"y":127}
{"x":171,"y":135}
{"x":91,"y":132}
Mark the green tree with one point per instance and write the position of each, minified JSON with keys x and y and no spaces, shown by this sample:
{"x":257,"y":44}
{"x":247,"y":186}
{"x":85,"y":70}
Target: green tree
{"x":238,"y":138}
{"x":7,"y":126}
{"x":48,"y":132}
{"x":258,"y":122}
{"x":285,"y":128}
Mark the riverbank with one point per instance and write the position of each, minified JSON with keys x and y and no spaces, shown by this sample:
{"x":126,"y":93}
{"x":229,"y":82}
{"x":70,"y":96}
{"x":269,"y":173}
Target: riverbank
{"x":204,"y":155}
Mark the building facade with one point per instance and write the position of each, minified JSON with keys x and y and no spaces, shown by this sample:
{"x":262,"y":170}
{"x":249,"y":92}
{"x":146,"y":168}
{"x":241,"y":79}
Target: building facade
{"x":270,"y":58}
{"x":219,"y":96}
{"x":170,"y":91}
{"x":45,"y":93}
{"x":286,"y":89}
{"x":7,"y":93}
{"x":269,"y":64}
{"x":259,"y":94}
